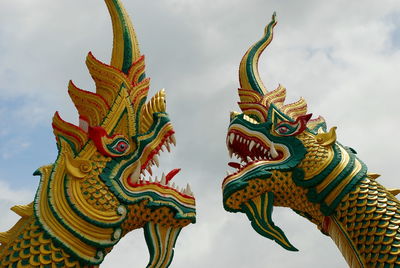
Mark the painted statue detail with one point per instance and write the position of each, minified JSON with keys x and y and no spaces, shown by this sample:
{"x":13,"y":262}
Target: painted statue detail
{"x":288,"y":159}
{"x":96,"y":190}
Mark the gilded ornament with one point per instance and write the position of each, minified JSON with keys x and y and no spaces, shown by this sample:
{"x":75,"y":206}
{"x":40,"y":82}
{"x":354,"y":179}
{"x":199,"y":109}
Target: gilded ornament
{"x":286,"y":158}
{"x":97,"y":191}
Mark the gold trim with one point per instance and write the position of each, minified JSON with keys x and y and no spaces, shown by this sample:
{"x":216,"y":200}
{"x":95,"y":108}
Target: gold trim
{"x":339,"y":189}
{"x":339,"y":168}
{"x":327,"y":139}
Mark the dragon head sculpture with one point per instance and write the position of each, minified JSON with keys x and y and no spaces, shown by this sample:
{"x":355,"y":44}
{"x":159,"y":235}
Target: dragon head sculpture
{"x":98,"y":190}
{"x":286,"y":158}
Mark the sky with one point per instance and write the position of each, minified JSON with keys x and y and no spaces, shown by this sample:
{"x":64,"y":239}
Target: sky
{"x":343,"y":57}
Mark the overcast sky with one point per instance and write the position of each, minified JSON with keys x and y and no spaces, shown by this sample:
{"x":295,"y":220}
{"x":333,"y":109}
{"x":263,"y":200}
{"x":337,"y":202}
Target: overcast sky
{"x":343,"y":57}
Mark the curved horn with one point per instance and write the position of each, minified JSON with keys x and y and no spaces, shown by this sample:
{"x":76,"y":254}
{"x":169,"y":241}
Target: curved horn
{"x":125,"y":45}
{"x":248,"y":70}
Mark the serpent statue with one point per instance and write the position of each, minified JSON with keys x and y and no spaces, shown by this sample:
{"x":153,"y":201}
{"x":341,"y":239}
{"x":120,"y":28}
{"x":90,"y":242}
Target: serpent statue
{"x":97,"y":190}
{"x":286,"y":158}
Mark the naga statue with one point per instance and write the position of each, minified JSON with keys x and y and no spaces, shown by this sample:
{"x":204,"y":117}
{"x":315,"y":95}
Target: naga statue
{"x":97,"y":190}
{"x":288,"y":159}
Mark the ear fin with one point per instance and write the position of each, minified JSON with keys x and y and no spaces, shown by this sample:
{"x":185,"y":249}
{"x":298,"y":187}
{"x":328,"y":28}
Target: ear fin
{"x":259,"y":210}
{"x":327,"y":139}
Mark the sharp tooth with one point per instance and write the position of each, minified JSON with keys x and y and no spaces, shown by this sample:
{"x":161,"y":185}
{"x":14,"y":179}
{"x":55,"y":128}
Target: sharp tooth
{"x":163,"y":179}
{"x":252,"y":143}
{"x":161,"y":149}
{"x":237,"y":137}
{"x":173,"y":139}
{"x":168,"y":148}
{"x":173,"y":185}
{"x":241,"y":139}
{"x":149,"y":170}
{"x":135,"y":176}
{"x":231,"y":137}
{"x":265,"y":151}
{"x":134,"y":179}
{"x":257,"y":145}
{"x":151,"y":179}
{"x":188,"y":190}
{"x":156,"y":160}
{"x":249,"y":159}
{"x":247,"y":142}
{"x":274,"y":153}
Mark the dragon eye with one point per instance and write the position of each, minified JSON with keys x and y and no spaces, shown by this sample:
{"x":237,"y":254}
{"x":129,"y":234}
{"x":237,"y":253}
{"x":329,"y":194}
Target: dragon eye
{"x":119,"y":146}
{"x":285,"y":129}
{"x":282,"y":130}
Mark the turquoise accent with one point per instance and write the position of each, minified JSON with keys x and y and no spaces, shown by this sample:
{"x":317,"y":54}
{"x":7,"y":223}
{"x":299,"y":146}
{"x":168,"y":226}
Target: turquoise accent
{"x":319,"y":197}
{"x":127,"y":63}
{"x":149,"y":236}
{"x":262,"y":222}
{"x":112,"y":146}
{"x":48,"y":233}
{"x":116,"y":168}
{"x":296,"y":149}
{"x":251,"y":54}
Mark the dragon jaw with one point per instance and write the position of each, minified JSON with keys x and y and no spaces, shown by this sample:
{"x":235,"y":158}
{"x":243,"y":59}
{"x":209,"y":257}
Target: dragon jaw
{"x":267,"y":138}
{"x":97,"y":190}
{"x":288,"y":159}
{"x":260,"y":152}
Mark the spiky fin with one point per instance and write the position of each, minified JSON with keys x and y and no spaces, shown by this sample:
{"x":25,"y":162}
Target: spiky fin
{"x":121,"y":84}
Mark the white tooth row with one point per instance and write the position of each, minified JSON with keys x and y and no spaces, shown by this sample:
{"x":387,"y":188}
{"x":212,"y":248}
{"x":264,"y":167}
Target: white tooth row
{"x":155,"y":160}
{"x":138,"y":176}
{"x":271,"y":154}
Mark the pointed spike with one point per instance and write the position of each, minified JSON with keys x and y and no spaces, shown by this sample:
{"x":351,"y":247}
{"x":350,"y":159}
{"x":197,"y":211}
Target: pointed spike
{"x":231,"y":138}
{"x":134,"y":180}
{"x":173,"y":139}
{"x":163,"y":179}
{"x":394,"y":191}
{"x":251,"y":145}
{"x":274,"y":153}
{"x":167,"y":146}
{"x":149,"y":170}
{"x":188,"y":190}
{"x":156,"y":160}
{"x":135,"y":176}
{"x":125,"y":49}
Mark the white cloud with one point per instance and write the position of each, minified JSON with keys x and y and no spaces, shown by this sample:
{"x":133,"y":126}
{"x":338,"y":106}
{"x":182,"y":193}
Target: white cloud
{"x":10,"y":197}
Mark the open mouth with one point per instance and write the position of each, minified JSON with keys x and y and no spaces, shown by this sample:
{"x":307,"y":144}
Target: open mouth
{"x":143,"y":173}
{"x":250,"y":150}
